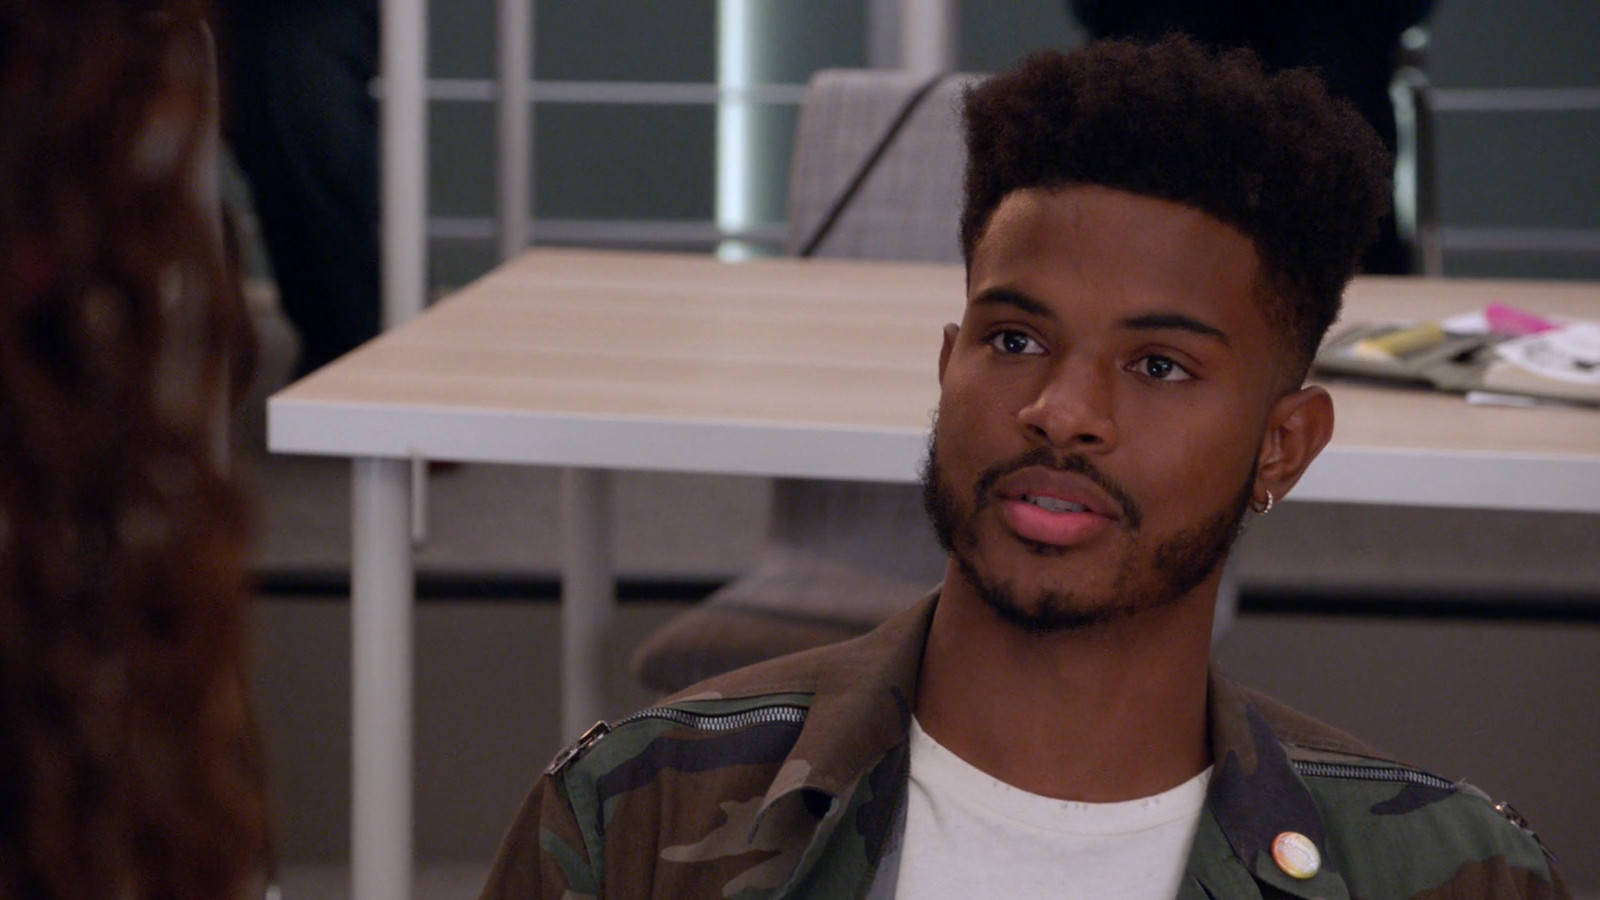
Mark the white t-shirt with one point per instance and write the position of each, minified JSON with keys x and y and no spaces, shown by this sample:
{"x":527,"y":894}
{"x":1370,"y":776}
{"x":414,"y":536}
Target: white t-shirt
{"x":967,"y":834}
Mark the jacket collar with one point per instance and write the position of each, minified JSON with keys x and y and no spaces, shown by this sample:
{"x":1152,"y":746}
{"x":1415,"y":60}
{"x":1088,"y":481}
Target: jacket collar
{"x":860,"y":715}
{"x":860,"y":709}
{"x":1255,"y":796}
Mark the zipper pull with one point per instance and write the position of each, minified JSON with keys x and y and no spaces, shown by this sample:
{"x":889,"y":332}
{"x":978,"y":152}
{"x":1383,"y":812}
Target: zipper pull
{"x":1515,"y":818}
{"x":591,"y":737}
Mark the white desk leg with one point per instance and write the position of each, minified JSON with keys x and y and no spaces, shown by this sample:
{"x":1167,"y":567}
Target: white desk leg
{"x":588,"y":596}
{"x":381,"y":614}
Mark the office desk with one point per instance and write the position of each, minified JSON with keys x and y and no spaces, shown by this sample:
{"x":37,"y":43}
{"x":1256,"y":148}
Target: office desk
{"x":597,"y":361}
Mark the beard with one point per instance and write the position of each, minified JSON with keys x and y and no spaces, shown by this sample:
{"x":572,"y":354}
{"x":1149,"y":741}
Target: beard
{"x":1158,"y":578}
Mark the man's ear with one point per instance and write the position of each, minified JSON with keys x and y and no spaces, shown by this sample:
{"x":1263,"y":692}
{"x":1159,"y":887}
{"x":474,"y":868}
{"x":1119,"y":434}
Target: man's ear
{"x":1298,"y":427}
{"x":951,"y":329}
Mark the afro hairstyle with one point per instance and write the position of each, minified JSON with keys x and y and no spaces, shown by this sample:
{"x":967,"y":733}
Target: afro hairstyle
{"x":1271,"y":154}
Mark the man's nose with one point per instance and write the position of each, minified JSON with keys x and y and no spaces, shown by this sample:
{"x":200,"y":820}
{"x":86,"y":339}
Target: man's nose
{"x":1074,"y":407}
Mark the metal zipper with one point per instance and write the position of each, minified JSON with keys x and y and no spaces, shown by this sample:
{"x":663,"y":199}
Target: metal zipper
{"x":777,"y":714}
{"x":1412,"y":776}
{"x":781,"y":714}
{"x":1372,"y":773}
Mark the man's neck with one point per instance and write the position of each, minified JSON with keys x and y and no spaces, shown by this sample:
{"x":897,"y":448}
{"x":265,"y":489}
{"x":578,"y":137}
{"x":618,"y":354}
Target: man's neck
{"x":1108,"y":712}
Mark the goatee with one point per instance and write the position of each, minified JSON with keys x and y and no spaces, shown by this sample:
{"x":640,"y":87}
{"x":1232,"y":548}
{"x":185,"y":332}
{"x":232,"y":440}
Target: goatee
{"x":1172,"y":569}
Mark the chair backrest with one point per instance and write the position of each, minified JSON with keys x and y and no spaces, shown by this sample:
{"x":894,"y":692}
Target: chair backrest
{"x":908,"y":206}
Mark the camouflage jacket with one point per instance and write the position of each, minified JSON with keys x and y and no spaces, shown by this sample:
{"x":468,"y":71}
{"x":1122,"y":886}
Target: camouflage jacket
{"x":787,"y":779}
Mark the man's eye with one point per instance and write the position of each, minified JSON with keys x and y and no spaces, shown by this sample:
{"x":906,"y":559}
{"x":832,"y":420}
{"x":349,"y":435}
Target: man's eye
{"x":1161,"y":368}
{"x":1015,"y":342}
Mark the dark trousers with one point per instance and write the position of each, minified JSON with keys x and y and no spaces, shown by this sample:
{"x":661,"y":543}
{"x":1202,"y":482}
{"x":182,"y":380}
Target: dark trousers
{"x":302,"y":124}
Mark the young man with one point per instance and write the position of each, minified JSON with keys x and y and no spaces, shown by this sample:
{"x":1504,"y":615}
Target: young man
{"x":1156,"y":240}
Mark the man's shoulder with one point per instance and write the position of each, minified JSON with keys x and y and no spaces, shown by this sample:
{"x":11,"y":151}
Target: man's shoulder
{"x":1377,"y":808}
{"x":698,"y":781}
{"x":755,"y":714}
{"x":707,"y":752}
{"x":701,"y":732}
{"x":1397,"y":830}
{"x":734,"y":719}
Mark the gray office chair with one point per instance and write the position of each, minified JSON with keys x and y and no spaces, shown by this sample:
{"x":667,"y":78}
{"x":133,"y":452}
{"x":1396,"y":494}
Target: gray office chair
{"x":876,"y":174}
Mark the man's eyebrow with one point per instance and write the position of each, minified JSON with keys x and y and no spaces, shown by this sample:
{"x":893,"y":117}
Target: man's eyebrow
{"x":1003,"y":296}
{"x":1177,"y":321}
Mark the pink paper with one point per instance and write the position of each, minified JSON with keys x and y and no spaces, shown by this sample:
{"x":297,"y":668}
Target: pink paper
{"x":1510,"y":320}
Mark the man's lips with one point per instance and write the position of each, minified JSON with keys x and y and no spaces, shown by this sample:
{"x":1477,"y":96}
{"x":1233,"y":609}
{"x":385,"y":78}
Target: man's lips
{"x":1053,"y":507}
{"x":1056,"y":491}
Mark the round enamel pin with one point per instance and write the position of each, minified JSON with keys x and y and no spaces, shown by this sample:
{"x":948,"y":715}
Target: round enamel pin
{"x":1296,"y":855}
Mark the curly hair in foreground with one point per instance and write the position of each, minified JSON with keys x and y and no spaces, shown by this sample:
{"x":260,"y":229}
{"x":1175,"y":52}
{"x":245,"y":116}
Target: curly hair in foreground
{"x":1274,"y":156}
{"x":128,"y":760}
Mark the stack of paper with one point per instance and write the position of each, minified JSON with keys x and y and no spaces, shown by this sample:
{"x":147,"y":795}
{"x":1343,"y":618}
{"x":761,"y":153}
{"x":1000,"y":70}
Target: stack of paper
{"x":1498,"y":353}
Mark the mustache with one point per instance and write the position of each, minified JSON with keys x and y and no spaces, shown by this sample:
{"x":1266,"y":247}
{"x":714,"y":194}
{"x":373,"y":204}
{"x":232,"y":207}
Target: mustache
{"x":1076,"y":463}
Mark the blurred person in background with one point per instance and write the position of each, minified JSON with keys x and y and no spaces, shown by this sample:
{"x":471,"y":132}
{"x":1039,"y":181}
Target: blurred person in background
{"x":1353,"y":46}
{"x":303,"y":125}
{"x":129,"y":763}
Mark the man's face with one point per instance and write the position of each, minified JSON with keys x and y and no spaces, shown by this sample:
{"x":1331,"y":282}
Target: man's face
{"x":1102,"y":405}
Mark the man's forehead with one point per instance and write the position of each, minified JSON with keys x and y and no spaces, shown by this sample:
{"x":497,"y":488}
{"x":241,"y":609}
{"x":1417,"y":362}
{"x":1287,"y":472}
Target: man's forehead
{"x":1104,"y":232}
